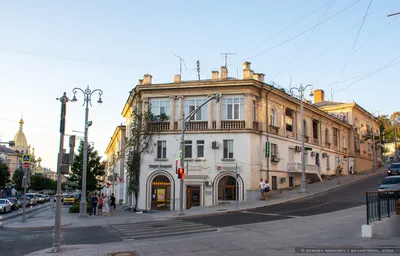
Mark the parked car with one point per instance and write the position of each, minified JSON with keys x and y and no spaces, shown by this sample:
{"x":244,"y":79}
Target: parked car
{"x":47,"y":198}
{"x":15,"y":203}
{"x":394,"y":169}
{"x":5,"y":205}
{"x":388,"y":182}
{"x":41,"y":198}
{"x":70,"y":199}
{"x":28,"y":201}
{"x":33,"y":197}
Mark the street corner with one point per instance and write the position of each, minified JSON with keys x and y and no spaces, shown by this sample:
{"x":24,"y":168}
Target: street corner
{"x":26,"y":226}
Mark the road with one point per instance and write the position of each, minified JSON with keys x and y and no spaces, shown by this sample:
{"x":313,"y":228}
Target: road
{"x":16,"y":243}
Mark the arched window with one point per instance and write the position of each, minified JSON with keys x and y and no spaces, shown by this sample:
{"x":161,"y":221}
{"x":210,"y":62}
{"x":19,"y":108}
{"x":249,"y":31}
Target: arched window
{"x":273,"y":117}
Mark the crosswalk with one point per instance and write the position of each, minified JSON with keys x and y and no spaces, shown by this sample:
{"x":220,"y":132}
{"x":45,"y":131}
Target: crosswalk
{"x":154,"y":229}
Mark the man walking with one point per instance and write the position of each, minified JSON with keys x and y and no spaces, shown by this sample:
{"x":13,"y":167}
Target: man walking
{"x":94,"y":204}
{"x":113,"y":204}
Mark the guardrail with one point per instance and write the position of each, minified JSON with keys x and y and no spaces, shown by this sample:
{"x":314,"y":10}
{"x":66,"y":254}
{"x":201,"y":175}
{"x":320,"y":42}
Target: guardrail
{"x":382,"y":204}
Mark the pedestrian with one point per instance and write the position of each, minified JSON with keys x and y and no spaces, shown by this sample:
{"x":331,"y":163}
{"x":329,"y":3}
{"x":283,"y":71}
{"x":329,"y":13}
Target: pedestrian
{"x":351,"y":170}
{"x":266,"y":189}
{"x":100,"y":208}
{"x":94,"y":204}
{"x":106,"y":208}
{"x":113,"y":204}
{"x":262,"y":187}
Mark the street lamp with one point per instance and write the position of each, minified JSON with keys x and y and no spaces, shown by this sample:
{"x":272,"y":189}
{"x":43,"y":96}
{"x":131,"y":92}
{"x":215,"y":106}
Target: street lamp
{"x":87,"y":93}
{"x":185,"y":122}
{"x":301,"y":89}
{"x":373,"y":142}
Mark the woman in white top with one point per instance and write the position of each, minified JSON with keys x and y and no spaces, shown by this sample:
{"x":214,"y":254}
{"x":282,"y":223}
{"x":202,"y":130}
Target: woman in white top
{"x":262,"y":188}
{"x":106,"y":207}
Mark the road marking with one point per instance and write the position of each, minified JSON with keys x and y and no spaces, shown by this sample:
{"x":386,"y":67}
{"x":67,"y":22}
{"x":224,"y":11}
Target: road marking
{"x":272,"y":214}
{"x":311,"y":207}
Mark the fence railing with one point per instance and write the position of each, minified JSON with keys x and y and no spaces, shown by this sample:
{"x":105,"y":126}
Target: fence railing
{"x":382,"y":204}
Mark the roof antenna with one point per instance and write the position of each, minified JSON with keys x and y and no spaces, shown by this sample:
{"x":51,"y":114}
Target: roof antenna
{"x":226,"y":56}
{"x":181,"y":60}
{"x":198,"y":68}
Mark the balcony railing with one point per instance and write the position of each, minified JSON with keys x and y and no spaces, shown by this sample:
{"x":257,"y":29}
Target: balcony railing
{"x":158,"y":126}
{"x":382,"y":204}
{"x":255,"y":125}
{"x":231,"y":125}
{"x":197,"y":125}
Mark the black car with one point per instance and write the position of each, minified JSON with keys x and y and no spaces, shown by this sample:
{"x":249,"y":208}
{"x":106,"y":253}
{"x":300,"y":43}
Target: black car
{"x":15,"y":203}
{"x":394,"y":169}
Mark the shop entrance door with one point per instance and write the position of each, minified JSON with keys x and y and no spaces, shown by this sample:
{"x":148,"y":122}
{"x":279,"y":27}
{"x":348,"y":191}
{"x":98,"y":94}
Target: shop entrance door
{"x":193,"y":196}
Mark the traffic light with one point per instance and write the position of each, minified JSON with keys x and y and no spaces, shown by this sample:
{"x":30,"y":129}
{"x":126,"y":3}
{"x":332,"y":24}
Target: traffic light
{"x":181,"y":173}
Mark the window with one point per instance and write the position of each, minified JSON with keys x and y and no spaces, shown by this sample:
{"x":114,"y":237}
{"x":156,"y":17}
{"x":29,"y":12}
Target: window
{"x":291,"y":155}
{"x":327,"y":135}
{"x":159,"y":107}
{"x":328,"y":163}
{"x":344,"y":142}
{"x":161,"y":149}
{"x":306,"y":157}
{"x":273,"y":118}
{"x":188,"y":149}
{"x":305,"y":128}
{"x":192,"y":104}
{"x":233,"y":108}
{"x":200,"y":148}
{"x":289,"y":119}
{"x":335,"y":136}
{"x":315,"y":129}
{"x":369,"y":147}
{"x":274,"y":150}
{"x":254,"y":110}
{"x":228,"y":149}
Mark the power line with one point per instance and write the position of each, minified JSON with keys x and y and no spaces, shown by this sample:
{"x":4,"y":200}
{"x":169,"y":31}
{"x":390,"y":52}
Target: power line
{"x":309,"y":36}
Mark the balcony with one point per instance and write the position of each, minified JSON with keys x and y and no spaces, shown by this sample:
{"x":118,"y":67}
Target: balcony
{"x":312,"y":171}
{"x":197,"y":125}
{"x":158,"y":126}
{"x":315,"y":141}
{"x":255,"y":125}
{"x":274,"y":129}
{"x":232,"y":125}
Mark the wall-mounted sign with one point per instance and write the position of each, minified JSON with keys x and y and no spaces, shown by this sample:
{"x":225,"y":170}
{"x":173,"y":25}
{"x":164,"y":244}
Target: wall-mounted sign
{"x":160,"y":166}
{"x":228,"y":168}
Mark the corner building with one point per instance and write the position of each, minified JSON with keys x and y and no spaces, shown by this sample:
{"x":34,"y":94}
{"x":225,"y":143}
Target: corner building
{"x":231,"y":135}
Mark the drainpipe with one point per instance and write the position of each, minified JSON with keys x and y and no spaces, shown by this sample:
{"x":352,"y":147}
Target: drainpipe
{"x":267,"y":130}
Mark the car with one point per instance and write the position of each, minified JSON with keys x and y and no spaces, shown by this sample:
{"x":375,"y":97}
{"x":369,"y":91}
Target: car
{"x":69,"y":199}
{"x":394,"y":169}
{"x":389,"y":182}
{"x":41,"y":198}
{"x":33,"y":197}
{"x":15,"y":203}
{"x":47,"y":198}
{"x":28,"y":201}
{"x":5,"y":205}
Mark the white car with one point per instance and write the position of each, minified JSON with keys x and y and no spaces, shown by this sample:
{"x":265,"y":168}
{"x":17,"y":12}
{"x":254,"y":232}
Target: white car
{"x":5,"y":205}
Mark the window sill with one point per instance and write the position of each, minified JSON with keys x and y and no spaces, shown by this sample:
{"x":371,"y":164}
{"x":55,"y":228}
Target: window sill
{"x":161,"y":159}
{"x":228,"y":159}
{"x":201,"y":159}
{"x":188,"y":159}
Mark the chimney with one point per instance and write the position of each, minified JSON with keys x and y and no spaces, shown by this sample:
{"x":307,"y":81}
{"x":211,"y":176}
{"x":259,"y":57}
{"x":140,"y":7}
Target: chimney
{"x":319,"y":95}
{"x":247,"y":72}
{"x":140,"y":81}
{"x":215,"y":75}
{"x":177,"y":78}
{"x":261,"y":77}
{"x":224,"y":72}
{"x":147,"y":79}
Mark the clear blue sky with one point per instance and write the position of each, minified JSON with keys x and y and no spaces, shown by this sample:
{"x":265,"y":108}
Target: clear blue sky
{"x":48,"y":47}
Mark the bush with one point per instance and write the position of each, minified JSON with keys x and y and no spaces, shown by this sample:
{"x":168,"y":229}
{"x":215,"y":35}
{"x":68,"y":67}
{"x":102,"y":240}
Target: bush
{"x":75,"y":208}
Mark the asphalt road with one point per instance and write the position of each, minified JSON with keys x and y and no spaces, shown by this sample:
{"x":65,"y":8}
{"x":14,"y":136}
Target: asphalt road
{"x":341,"y":198}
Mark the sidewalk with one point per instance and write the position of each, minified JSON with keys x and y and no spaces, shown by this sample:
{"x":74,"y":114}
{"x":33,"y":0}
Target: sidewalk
{"x":341,"y":229}
{"x":45,"y":220}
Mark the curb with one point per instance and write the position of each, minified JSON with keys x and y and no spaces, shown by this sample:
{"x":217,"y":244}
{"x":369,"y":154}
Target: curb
{"x":19,"y":214}
{"x":35,"y":228}
{"x":277,"y":203}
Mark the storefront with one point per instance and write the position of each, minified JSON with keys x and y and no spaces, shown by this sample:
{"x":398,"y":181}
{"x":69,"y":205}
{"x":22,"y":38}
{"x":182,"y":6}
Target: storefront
{"x":193,"y":196}
{"x":161,"y":193}
{"x":226,"y":187}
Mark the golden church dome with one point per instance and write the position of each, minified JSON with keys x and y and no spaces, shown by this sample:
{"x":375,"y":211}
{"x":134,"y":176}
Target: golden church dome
{"x":19,"y":138}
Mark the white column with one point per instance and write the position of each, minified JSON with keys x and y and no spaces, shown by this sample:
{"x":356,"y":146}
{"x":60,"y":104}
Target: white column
{"x":248,"y":111}
{"x":210,"y":113}
{"x":218,"y":113}
{"x":145,"y":109}
{"x":180,"y":112}
{"x":262,"y":113}
{"x":171,"y":112}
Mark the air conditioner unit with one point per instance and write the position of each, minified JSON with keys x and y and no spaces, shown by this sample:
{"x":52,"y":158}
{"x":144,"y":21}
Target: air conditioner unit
{"x":324,"y":155}
{"x":214,"y":145}
{"x":275,"y":159}
{"x":312,"y":154}
{"x":207,"y":183}
{"x":297,"y":149}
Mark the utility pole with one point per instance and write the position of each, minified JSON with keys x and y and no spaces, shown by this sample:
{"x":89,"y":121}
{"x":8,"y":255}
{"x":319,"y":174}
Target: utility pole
{"x":197,"y":69}
{"x":226,"y":56}
{"x":181,"y":60}
{"x":393,"y":14}
{"x":57,"y":225}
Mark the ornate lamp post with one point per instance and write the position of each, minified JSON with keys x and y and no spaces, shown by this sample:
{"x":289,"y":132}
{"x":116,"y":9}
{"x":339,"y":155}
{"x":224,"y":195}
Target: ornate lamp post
{"x":87,"y":93}
{"x":303,"y":182}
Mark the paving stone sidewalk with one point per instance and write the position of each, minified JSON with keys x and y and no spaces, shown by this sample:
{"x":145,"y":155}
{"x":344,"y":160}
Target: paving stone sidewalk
{"x":45,"y":220}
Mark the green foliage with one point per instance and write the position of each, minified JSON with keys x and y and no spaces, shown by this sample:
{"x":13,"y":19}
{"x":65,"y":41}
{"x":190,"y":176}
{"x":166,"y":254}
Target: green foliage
{"x":4,"y":174}
{"x":40,"y":182}
{"x":387,"y":127}
{"x":95,"y":169}
{"x":17,"y":178}
{"x":75,"y":208}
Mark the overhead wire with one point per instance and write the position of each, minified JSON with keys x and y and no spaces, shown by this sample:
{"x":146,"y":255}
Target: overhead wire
{"x":305,"y":42}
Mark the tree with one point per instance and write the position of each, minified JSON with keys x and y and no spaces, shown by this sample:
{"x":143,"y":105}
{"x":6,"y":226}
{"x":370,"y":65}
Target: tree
{"x":17,"y":178}
{"x":140,"y":143}
{"x":95,"y":169}
{"x":4,"y":174}
{"x":40,"y":182}
{"x":387,"y":127}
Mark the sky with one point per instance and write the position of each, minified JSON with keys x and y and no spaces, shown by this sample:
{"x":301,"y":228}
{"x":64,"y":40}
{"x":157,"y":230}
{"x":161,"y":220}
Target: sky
{"x":348,"y":47}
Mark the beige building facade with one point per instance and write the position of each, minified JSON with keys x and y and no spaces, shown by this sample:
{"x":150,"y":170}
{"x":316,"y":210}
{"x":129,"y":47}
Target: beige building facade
{"x":254,"y":131}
